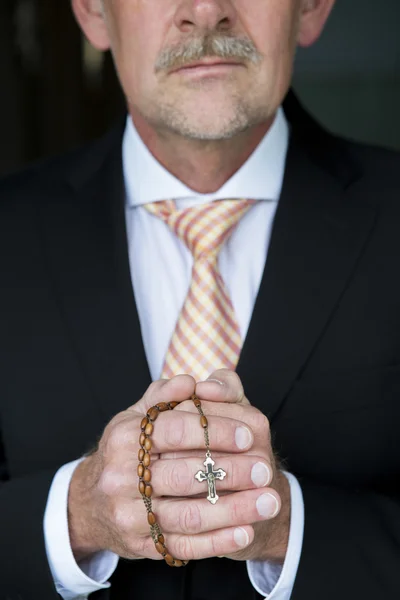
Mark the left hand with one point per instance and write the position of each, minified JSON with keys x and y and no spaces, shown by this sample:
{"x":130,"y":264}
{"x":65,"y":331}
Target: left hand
{"x":227,"y":399}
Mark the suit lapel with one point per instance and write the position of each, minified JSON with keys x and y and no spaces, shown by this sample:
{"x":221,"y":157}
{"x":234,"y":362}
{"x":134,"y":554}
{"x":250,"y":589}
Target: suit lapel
{"x":320,"y":229}
{"x":86,"y":244}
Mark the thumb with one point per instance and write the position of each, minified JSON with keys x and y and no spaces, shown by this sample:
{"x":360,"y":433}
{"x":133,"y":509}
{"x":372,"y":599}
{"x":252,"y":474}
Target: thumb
{"x":177,"y":389}
{"x":222,"y":385}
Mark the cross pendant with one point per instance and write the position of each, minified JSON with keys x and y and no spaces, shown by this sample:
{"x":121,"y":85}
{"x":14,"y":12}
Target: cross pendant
{"x":210,"y":476}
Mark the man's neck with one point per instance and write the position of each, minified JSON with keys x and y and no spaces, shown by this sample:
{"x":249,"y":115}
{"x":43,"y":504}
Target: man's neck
{"x":203,"y":166}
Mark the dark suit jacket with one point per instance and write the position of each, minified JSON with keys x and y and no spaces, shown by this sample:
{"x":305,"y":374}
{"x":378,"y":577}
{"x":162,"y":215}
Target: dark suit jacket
{"x":321,"y":360}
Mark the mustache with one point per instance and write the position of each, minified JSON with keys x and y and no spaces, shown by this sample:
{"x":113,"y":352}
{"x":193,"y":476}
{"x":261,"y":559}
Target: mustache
{"x":209,"y":45}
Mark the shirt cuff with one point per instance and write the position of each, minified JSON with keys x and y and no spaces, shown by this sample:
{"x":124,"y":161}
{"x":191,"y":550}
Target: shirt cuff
{"x":72,"y":581}
{"x":273,"y":581}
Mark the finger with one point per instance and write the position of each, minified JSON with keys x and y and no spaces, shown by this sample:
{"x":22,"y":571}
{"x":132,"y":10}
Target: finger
{"x":180,"y":430}
{"x":177,"y":477}
{"x":222,"y":386}
{"x":177,"y":389}
{"x":216,"y":543}
{"x":193,"y":516}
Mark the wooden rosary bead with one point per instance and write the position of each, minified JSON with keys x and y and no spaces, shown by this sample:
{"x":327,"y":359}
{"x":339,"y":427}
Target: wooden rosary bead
{"x":178,"y":563}
{"x":160,"y":547}
{"x":152,"y":414}
{"x":169,"y":559}
{"x":144,"y":473}
{"x":149,"y":429}
{"x":203,"y":421}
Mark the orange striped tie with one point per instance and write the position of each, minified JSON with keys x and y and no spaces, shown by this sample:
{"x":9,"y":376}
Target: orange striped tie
{"x":207,"y":335}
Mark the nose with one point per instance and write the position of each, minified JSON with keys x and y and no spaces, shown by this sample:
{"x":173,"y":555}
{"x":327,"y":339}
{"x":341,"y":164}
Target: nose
{"x":205,"y":15}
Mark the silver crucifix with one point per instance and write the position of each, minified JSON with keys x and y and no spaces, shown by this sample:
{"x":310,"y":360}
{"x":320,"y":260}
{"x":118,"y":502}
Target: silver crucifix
{"x":210,"y":476}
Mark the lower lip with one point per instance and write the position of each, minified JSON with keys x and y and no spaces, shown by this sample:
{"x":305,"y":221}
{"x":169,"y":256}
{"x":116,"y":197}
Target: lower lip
{"x":207,"y":70}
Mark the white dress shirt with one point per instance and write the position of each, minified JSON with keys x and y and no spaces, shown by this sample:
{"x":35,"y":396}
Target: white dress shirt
{"x":161,"y":267}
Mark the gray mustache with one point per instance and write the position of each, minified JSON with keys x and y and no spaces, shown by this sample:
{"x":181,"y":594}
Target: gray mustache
{"x":213,"y":45}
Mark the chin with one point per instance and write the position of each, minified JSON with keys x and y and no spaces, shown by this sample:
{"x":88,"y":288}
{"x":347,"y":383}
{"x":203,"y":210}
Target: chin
{"x":213,"y":124}
{"x":209,"y":131}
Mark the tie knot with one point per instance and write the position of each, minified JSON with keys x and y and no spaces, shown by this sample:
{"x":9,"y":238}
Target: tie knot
{"x":203,"y":228}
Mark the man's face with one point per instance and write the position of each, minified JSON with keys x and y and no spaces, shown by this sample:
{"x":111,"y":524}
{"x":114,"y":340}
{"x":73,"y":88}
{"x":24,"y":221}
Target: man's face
{"x":152,"y":38}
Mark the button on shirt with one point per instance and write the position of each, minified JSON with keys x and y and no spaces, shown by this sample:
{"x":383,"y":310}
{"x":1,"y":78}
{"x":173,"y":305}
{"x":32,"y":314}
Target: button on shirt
{"x":161,"y":267}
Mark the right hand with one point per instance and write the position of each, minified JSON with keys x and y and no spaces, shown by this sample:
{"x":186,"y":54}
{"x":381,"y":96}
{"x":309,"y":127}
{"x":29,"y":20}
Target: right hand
{"x":106,"y":510}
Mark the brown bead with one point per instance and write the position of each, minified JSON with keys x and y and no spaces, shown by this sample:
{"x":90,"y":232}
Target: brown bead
{"x":140,"y":470}
{"x":169,"y":559}
{"x":144,"y":422}
{"x":151,"y":518}
{"x":178,"y":563}
{"x":203,"y":421}
{"x":160,"y":547}
{"x":173,"y":404}
{"x":142,"y":439}
{"x":162,"y":406}
{"x":147,"y":443}
{"x":197,"y":403}
{"x":147,"y":475}
{"x":146,"y":459}
{"x":161,"y":538}
{"x":142,"y":487}
{"x":153,"y":414}
{"x":149,"y":429}
{"x":141,"y":454}
{"x":148,"y":490}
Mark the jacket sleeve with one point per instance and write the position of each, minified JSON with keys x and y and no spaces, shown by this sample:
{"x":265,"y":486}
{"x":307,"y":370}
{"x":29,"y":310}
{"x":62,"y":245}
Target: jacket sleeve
{"x":24,"y":569}
{"x":351,"y":544}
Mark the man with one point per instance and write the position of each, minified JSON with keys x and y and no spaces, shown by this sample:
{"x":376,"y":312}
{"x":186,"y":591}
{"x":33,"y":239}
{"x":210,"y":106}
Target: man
{"x":117,"y":268}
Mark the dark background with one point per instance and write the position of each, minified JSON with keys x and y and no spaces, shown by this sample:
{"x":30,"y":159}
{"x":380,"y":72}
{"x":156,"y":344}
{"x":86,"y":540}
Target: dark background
{"x":56,"y":92}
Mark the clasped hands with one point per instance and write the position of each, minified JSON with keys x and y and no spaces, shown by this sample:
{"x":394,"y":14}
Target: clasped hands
{"x":251,"y":519}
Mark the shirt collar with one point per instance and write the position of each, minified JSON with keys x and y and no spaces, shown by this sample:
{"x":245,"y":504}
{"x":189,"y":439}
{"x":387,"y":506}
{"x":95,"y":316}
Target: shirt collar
{"x":260,"y":177}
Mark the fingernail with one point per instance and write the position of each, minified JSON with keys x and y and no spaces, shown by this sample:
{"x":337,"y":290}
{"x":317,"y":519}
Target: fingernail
{"x":267,"y":505}
{"x":212,"y":380}
{"x":241,"y":537}
{"x":260,"y":474}
{"x":242,"y":437}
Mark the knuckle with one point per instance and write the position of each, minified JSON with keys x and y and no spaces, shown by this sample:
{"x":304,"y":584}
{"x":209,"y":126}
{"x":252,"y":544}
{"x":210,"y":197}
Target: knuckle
{"x":177,"y":479}
{"x":153,"y":388}
{"x":174,"y":431}
{"x":138,"y":547}
{"x":262,"y":423}
{"x":238,"y":510}
{"x":122,"y":517}
{"x":117,"y":437}
{"x":190,"y":518}
{"x":184,"y":547}
{"x":216,"y":545}
{"x":110,"y":481}
{"x":150,"y":397}
{"x":235,"y":471}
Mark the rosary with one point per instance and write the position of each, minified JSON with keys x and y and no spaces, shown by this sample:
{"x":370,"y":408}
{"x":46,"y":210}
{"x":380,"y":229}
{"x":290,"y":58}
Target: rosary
{"x":145,"y":488}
